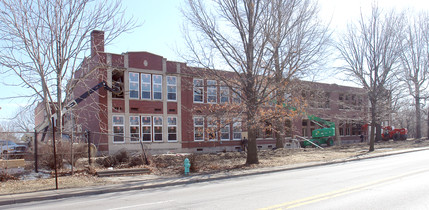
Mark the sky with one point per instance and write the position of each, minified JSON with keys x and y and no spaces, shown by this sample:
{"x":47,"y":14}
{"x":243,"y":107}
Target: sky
{"x":162,"y":21}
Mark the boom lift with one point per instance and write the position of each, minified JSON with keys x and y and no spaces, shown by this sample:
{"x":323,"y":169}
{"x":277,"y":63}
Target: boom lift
{"x":323,"y":135}
{"x":319,"y":136}
{"x":44,"y":126}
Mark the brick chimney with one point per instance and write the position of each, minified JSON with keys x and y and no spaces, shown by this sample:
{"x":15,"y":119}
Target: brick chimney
{"x":97,"y":42}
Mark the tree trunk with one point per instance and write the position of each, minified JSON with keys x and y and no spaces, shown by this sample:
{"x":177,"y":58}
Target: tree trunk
{"x":252,"y":149}
{"x":418,"y":117}
{"x":373,"y":125}
{"x":378,"y":132}
{"x":337,"y":135}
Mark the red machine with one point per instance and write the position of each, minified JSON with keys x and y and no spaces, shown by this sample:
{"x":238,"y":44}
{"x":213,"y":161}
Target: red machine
{"x":395,"y":134}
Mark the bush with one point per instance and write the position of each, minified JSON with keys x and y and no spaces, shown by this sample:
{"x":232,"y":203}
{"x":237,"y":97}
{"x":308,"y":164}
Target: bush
{"x":4,"y":177}
{"x":46,"y":154}
{"x":122,"y":156}
{"x":106,"y":162}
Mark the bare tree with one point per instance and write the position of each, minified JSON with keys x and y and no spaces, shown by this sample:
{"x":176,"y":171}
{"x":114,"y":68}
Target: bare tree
{"x":415,"y":63}
{"x":43,"y":43}
{"x":371,"y":51}
{"x":241,"y":37}
{"x":298,"y":41}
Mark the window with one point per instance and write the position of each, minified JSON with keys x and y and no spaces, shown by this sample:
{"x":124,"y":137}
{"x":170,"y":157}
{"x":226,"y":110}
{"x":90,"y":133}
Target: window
{"x":198,"y":129}
{"x":198,"y":90}
{"x":157,"y":87}
{"x":118,"y":129}
{"x":236,"y":96}
{"x":212,"y":128}
{"x":134,"y":85}
{"x":172,"y":129}
{"x":134,"y":128}
{"x":236,"y":127}
{"x":171,"y":88}
{"x":268,"y":130}
{"x":211,"y":91}
{"x":224,"y":94}
{"x":146,"y":128}
{"x":157,"y":129}
{"x":224,"y":131}
{"x":146,"y":86}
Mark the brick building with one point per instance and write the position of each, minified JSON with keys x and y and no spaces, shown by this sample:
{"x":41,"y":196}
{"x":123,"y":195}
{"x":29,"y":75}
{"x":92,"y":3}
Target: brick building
{"x":156,"y":106}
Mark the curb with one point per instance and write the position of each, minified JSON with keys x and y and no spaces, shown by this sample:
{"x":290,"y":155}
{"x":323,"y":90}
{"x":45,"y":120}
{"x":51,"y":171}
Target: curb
{"x":164,"y":182}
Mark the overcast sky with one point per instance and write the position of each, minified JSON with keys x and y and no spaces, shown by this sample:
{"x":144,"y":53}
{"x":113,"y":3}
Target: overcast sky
{"x":161,"y":30}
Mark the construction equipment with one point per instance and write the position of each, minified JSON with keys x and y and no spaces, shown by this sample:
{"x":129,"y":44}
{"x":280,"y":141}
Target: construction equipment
{"x":395,"y":134}
{"x":323,"y":135}
{"x":73,"y":103}
{"x":320,"y":136}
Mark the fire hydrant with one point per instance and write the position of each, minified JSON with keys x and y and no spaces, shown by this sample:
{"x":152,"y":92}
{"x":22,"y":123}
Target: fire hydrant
{"x":187,"y":165}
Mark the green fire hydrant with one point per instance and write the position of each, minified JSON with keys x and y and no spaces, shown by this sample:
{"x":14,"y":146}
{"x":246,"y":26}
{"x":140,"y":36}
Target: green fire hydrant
{"x":187,"y":165}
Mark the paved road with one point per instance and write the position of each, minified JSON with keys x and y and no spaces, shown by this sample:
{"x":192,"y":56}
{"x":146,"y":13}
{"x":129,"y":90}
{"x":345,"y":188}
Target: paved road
{"x":393,"y":182}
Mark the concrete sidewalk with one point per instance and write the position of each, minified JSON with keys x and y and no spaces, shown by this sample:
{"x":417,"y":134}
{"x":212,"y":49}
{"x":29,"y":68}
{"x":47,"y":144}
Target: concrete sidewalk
{"x":150,"y":181}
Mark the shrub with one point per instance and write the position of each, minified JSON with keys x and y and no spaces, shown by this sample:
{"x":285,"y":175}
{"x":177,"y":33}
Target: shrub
{"x":122,"y":156}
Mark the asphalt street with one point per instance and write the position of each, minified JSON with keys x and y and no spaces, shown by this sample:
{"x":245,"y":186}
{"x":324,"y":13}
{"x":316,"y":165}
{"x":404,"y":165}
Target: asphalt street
{"x":392,"y":182}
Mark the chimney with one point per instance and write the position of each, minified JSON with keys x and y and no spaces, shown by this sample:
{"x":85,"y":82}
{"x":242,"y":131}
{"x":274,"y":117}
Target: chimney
{"x":97,"y":42}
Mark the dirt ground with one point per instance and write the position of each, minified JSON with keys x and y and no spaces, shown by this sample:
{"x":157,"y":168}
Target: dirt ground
{"x":172,"y":164}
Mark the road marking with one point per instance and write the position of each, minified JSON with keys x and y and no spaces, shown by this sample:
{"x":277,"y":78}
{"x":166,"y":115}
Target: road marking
{"x":143,"y":204}
{"x":333,"y":194}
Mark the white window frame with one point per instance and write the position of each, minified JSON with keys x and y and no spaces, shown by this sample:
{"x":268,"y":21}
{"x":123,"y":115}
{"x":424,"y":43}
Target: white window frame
{"x":115,"y":124}
{"x":236,"y":128}
{"x":171,"y":125}
{"x":146,"y":125}
{"x":135,"y":124}
{"x":198,"y":88}
{"x":225,"y":127}
{"x":236,"y":96}
{"x":149,"y":84}
{"x":153,"y":86}
{"x":170,"y":85}
{"x":211,"y":91}
{"x":199,"y":126}
{"x":131,"y":82}
{"x":212,"y":128}
{"x":224,"y":93}
{"x":157,"y":125}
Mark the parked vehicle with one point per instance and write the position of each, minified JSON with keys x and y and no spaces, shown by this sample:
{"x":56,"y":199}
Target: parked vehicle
{"x":8,"y":147}
{"x":395,"y":134}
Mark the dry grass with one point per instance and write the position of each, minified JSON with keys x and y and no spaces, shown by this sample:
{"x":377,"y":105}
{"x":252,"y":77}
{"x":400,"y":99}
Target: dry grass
{"x":167,"y":165}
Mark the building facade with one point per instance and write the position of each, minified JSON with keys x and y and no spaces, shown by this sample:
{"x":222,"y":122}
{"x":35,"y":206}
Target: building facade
{"x":160,"y":102}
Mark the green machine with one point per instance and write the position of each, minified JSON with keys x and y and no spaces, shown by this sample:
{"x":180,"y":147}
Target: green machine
{"x":319,"y":136}
{"x":323,"y":135}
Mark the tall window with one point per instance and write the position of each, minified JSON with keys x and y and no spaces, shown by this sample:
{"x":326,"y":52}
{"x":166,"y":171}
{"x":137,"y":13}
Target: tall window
{"x":146,"y":86}
{"x":157,"y":128}
{"x":171,"y":88}
{"x":224,"y":94}
{"x":172,"y":129}
{"x":224,"y":131}
{"x":212,"y":128}
{"x":236,"y":127}
{"x":236,"y":96}
{"x":118,"y":129}
{"x":198,"y":90}
{"x":134,"y":128}
{"x":198,"y":128}
{"x":211,"y":91}
{"x":134,"y":85}
{"x":146,"y":128}
{"x":157,"y":87}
